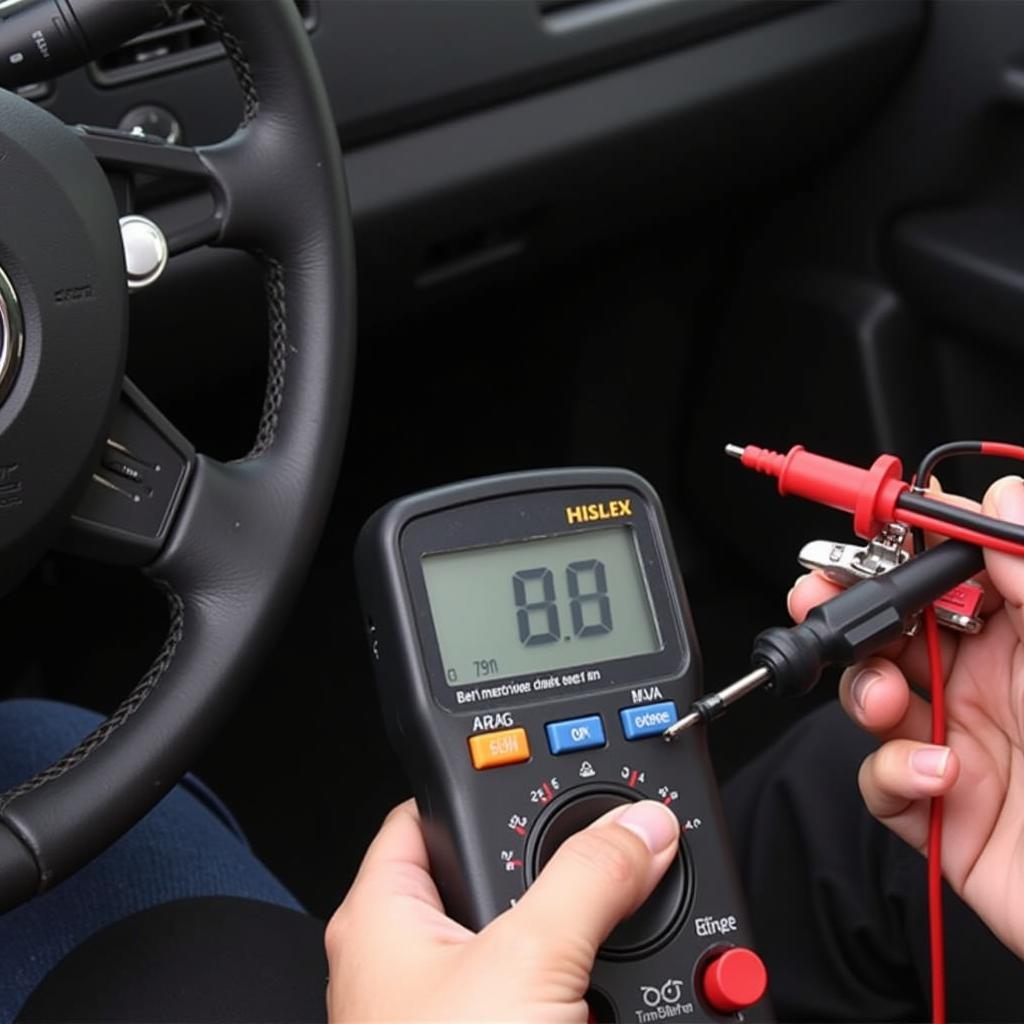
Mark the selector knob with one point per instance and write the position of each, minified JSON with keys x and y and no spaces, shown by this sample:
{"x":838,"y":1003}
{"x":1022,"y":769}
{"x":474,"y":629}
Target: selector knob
{"x":656,"y":917}
{"x":734,"y":980}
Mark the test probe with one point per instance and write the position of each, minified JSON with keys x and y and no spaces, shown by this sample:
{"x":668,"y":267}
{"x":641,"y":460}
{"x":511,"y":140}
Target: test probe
{"x":876,"y":610}
{"x":893,"y":588}
{"x":852,"y":626}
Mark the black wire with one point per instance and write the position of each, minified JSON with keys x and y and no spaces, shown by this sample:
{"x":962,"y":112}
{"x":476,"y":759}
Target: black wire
{"x":960,"y":517}
{"x":937,"y":455}
{"x":927,"y":468}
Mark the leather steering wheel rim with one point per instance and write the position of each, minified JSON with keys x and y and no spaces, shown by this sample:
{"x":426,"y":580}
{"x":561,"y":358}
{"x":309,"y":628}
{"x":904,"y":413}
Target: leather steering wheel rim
{"x":244,"y":533}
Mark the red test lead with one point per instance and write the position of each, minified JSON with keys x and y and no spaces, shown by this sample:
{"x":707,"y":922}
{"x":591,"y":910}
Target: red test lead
{"x":877,"y":496}
{"x":869,"y":494}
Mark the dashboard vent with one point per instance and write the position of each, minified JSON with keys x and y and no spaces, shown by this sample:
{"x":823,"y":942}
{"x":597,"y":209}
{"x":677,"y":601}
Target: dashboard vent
{"x":180,"y":42}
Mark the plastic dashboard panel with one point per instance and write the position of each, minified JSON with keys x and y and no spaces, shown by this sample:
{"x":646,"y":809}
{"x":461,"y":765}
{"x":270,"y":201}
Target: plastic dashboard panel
{"x":394,"y":65}
{"x":672,"y":134}
{"x":479,"y":137}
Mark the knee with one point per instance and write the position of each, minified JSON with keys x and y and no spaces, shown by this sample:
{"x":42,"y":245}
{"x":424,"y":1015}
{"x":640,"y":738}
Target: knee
{"x":35,"y":733}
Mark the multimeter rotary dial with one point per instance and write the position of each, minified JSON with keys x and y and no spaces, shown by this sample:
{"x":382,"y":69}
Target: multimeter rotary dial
{"x":655,"y":920}
{"x":565,"y":811}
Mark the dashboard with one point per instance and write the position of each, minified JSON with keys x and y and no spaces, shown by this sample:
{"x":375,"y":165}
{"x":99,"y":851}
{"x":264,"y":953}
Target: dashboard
{"x":484,"y":134}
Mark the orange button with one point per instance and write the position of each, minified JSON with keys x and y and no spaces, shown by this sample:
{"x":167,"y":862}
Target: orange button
{"x":493,"y":749}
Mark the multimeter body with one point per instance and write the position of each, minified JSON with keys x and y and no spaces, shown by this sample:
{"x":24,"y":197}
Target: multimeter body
{"x":531,"y":640}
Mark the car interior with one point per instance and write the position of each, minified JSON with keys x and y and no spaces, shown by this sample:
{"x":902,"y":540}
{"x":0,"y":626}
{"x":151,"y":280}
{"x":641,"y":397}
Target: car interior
{"x":586,"y":233}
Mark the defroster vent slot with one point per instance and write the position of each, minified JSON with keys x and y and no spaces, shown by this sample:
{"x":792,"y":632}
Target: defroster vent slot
{"x":180,"y":42}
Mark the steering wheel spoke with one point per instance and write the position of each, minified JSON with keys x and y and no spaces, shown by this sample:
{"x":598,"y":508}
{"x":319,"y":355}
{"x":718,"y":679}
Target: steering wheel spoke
{"x":116,"y":150}
{"x":131,"y":501}
{"x":172,"y":185}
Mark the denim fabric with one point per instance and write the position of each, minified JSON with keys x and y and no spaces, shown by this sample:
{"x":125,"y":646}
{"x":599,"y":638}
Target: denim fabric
{"x":188,"y":845}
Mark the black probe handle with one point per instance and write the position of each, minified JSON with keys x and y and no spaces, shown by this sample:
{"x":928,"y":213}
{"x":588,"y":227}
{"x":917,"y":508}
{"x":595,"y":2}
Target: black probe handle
{"x":862,"y":619}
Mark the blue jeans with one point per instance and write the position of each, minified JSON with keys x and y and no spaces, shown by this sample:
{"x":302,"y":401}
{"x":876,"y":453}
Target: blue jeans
{"x":188,"y":845}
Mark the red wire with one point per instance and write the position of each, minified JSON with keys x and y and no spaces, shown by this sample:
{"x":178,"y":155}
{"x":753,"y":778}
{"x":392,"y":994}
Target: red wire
{"x":1007,"y":451}
{"x":936,"y":936}
{"x":935,"y":924}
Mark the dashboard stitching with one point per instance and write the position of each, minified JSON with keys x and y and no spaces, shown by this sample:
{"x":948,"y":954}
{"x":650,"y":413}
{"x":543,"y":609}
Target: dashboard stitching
{"x":122,"y":713}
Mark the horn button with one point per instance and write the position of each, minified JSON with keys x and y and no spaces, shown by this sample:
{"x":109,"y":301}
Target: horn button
{"x":63,"y":327}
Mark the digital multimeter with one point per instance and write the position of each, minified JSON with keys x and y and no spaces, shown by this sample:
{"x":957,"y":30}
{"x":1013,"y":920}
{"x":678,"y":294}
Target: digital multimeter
{"x":532,"y":641}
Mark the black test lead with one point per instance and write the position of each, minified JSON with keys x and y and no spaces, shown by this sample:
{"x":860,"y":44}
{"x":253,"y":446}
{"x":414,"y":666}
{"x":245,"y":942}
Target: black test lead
{"x":851,"y":626}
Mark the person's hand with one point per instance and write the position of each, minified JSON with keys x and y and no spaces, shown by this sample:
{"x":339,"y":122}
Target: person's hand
{"x":395,"y":955}
{"x":981,"y":770}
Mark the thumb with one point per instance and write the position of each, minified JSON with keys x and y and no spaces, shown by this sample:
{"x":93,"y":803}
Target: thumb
{"x":597,"y":877}
{"x":1005,"y":500}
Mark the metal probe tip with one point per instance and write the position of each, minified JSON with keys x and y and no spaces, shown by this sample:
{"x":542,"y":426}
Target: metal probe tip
{"x":715,"y":704}
{"x":734,"y":451}
{"x":691,"y":718}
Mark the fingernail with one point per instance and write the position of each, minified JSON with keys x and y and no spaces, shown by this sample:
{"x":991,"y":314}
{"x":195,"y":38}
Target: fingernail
{"x":930,"y":761}
{"x":654,"y":823}
{"x":1010,"y":499}
{"x":861,"y":684}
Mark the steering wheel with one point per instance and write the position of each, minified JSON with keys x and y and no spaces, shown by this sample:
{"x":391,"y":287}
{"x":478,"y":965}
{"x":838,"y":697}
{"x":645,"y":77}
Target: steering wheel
{"x":87,"y":463}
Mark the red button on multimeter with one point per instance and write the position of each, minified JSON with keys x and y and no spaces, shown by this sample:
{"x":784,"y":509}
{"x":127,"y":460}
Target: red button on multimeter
{"x":734,"y":980}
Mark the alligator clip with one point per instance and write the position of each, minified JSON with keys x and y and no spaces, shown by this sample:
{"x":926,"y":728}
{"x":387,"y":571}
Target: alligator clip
{"x":846,"y":564}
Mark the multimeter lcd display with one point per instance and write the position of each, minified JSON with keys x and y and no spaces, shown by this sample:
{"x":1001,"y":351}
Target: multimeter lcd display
{"x":532,"y":606}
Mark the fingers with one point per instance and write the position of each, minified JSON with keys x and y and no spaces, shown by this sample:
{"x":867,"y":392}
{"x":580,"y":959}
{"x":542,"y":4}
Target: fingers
{"x":596,"y":878}
{"x":393,"y":892}
{"x":1005,"y":500}
{"x":400,"y":839}
{"x":808,"y":592}
{"x":396,"y":863}
{"x":899,"y":778}
{"x":911,"y":655}
{"x":876,"y":695}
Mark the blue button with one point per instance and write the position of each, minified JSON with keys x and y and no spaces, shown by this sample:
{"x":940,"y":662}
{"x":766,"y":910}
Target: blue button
{"x":575,"y":734}
{"x":647,"y":720}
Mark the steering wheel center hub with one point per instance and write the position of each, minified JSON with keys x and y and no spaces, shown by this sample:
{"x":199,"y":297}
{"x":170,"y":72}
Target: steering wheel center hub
{"x":63,"y":326}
